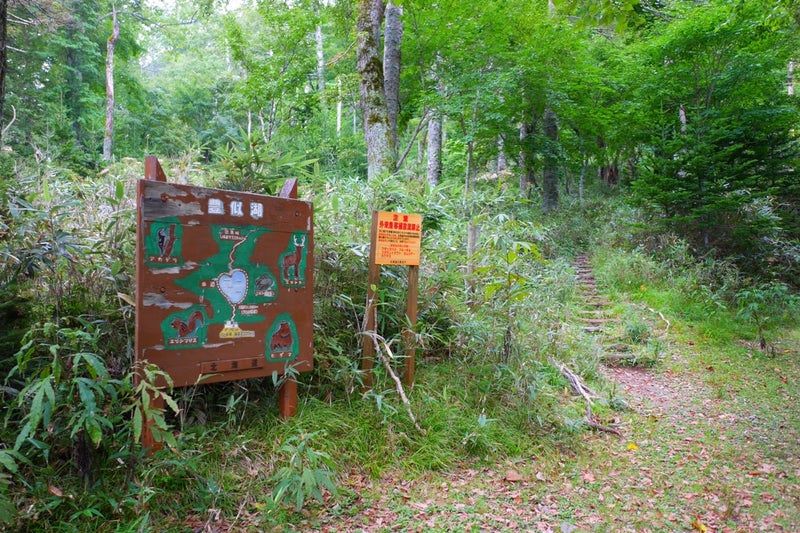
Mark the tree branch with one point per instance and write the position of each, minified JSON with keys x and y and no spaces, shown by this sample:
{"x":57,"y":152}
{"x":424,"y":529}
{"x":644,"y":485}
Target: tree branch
{"x":397,"y":383}
{"x":422,"y":122}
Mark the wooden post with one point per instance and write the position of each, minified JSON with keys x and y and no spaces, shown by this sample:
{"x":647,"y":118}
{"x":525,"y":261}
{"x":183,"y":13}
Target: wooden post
{"x":152,"y":171}
{"x":287,"y":393}
{"x":368,"y":346}
{"x":411,"y":317}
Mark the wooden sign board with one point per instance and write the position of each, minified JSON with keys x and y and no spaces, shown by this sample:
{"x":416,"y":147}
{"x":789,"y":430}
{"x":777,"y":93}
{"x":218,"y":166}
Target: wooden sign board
{"x":224,"y":283}
{"x":395,"y":239}
{"x":398,"y":239}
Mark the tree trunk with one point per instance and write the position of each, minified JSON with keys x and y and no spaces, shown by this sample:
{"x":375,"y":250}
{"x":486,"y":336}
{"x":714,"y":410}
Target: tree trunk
{"x":582,"y":179}
{"x":320,"y":50}
{"x":502,"y":163}
{"x":550,"y":173}
{"x":338,"y":107}
{"x":3,"y":62}
{"x":472,"y":228}
{"x":790,"y":80}
{"x":435,"y":149}
{"x":373,"y":99}
{"x":393,"y":36}
{"x":524,"y":183}
{"x":609,"y":172}
{"x":108,"y":137}
{"x":74,"y":79}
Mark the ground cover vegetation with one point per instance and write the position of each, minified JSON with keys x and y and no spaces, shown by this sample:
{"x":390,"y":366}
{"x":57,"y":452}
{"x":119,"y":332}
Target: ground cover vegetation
{"x":649,"y":147}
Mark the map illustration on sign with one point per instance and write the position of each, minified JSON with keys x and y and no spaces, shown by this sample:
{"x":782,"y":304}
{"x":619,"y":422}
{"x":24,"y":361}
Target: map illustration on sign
{"x":224,"y":282}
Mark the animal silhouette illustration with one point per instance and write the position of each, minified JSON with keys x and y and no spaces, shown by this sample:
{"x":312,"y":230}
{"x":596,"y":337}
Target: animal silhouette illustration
{"x":264,"y":283}
{"x":190,"y":327}
{"x":282,"y":339}
{"x":291,"y":262}
{"x":165,"y":238}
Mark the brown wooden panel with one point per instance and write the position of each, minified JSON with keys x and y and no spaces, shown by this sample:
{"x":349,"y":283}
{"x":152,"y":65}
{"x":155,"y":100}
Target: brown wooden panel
{"x":223,"y":278}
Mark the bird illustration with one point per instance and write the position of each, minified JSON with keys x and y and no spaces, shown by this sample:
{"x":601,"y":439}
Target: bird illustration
{"x":165,"y":239}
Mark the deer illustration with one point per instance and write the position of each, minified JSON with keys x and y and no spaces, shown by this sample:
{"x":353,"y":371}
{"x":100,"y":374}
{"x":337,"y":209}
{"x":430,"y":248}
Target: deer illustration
{"x":291,"y":261}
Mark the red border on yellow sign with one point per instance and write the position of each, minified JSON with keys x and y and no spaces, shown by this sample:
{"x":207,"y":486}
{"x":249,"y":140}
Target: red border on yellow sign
{"x":398,"y":240}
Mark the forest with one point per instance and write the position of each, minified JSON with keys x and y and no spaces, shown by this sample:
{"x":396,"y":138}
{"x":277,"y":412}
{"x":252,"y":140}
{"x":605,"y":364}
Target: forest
{"x":607,"y":336}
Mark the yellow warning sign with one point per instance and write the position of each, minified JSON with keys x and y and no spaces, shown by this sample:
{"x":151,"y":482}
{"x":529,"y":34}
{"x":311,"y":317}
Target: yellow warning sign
{"x":398,"y":239}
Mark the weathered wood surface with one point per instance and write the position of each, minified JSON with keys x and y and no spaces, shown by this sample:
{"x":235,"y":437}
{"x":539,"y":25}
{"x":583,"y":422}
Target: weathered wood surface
{"x":224,"y":283}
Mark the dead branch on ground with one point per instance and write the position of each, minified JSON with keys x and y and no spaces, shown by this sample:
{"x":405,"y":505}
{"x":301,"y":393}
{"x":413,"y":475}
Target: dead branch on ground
{"x":385,"y":358}
{"x":588,"y":394}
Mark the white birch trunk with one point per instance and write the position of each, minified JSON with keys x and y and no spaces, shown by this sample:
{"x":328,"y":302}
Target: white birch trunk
{"x":524,"y":182}
{"x":393,"y":37}
{"x":320,"y":50}
{"x":435,"y":150}
{"x":339,"y":108}
{"x":320,"y":59}
{"x":502,"y":164}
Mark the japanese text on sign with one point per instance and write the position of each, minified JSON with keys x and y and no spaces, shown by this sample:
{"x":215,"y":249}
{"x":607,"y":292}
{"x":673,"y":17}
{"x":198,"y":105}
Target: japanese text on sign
{"x":398,"y":239}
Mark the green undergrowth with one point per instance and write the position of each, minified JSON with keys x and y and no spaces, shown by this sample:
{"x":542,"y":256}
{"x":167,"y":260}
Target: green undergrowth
{"x":495,"y":334}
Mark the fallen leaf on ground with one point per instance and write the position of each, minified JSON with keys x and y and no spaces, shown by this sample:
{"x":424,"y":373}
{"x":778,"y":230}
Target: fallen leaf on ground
{"x":512,"y":475}
{"x":698,"y":525}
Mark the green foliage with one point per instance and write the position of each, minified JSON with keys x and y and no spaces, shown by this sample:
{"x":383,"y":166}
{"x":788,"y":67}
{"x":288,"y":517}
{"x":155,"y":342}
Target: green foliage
{"x":305,"y":474}
{"x":721,"y":131}
{"x":67,"y":394}
{"x":766,"y":303}
{"x":252,"y":165}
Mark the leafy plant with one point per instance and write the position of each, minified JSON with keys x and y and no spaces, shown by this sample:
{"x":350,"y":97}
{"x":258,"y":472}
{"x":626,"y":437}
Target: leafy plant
{"x":764,"y":304}
{"x":149,"y":392}
{"x":306,"y":471}
{"x":253,"y":165}
{"x":67,"y":393}
{"x":8,"y":466}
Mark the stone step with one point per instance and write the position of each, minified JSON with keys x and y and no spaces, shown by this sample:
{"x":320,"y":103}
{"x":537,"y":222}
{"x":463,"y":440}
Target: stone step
{"x":618,"y":347}
{"x":618,"y":357}
{"x":598,"y":321}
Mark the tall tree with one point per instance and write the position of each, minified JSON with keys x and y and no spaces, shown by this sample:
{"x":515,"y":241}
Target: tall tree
{"x":550,"y":173}
{"x":434,"y":152}
{"x":111,"y":44}
{"x":393,"y":36}
{"x":720,"y":140}
{"x":371,"y":88}
{"x":3,"y":62}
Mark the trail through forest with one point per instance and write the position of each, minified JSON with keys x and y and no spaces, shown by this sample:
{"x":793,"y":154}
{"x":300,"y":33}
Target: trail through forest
{"x":696,"y":453}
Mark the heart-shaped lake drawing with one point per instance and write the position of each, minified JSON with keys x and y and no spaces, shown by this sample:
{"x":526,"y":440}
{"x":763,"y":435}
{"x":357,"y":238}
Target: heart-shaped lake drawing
{"x":233,"y":285}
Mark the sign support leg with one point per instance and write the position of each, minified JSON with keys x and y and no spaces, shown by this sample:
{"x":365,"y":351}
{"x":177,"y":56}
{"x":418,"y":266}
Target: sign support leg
{"x":368,"y":346}
{"x":411,"y":316}
{"x":287,"y":398}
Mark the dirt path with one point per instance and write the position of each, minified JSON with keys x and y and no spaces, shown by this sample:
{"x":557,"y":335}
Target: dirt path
{"x":697,"y":454}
